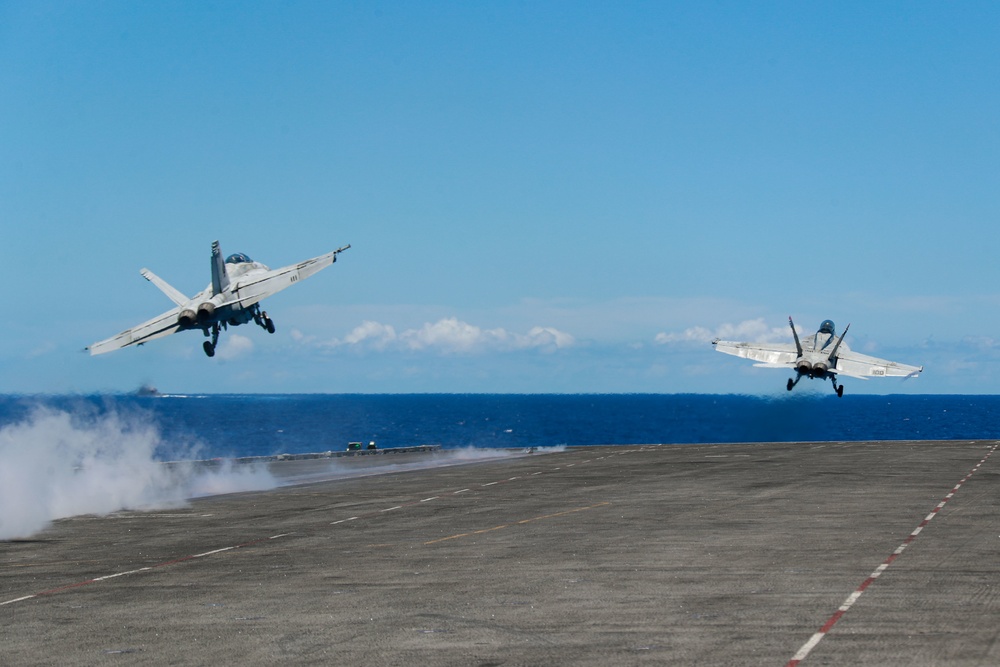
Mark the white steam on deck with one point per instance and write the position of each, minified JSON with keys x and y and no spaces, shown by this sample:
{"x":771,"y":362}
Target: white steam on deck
{"x":55,"y":464}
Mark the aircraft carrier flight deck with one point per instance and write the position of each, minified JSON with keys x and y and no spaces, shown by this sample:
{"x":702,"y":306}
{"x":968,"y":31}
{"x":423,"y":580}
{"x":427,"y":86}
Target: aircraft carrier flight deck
{"x":846,"y":553}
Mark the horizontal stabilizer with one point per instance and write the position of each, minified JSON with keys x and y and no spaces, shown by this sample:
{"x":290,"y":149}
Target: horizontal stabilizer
{"x":167,"y":289}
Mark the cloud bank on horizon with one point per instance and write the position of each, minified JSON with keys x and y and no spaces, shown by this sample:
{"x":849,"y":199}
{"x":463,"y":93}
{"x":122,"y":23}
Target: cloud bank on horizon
{"x":450,"y":335}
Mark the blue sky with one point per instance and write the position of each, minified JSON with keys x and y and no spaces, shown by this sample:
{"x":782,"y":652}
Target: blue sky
{"x":541,"y":197}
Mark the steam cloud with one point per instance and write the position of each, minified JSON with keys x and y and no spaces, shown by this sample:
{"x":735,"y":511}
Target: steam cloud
{"x":55,"y":464}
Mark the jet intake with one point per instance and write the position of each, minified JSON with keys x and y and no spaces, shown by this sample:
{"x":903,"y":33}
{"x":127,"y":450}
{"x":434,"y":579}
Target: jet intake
{"x":187,"y":318}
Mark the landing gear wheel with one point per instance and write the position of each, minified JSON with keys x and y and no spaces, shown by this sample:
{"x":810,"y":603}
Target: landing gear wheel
{"x":790,"y":384}
{"x":269,"y":325}
{"x":840,"y":391}
{"x":209,"y":348}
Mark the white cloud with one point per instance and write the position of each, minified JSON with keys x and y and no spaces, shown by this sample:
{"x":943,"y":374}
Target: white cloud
{"x":234,"y":346}
{"x":755,"y":330}
{"x":550,"y":337}
{"x":300,"y":337}
{"x":374,"y":334}
{"x":451,"y":335}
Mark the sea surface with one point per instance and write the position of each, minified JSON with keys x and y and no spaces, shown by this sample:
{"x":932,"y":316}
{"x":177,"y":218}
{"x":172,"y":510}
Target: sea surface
{"x":210,"y":426}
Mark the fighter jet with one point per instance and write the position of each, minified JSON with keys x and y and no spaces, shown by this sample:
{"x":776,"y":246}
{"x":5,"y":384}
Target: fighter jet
{"x":233,"y":298}
{"x":822,"y":355}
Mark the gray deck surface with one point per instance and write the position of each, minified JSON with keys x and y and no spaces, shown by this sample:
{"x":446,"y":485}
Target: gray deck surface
{"x":618,"y":555}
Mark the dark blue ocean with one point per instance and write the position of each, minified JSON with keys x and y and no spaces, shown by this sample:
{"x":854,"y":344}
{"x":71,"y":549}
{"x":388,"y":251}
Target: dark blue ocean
{"x":253,"y":425}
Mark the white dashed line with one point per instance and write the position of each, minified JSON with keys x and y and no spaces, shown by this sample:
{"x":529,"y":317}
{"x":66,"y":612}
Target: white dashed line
{"x":209,"y":553}
{"x":853,"y":597}
{"x":21,"y":599}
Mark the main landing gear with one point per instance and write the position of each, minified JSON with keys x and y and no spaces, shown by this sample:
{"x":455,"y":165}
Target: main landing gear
{"x":262,"y":320}
{"x":259,"y":317}
{"x":209,"y":346}
{"x":839,"y":388}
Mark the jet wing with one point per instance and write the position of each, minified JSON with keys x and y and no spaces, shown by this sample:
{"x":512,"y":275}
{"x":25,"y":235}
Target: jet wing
{"x":160,"y":326}
{"x":862,"y":366}
{"x":262,"y":285}
{"x":770,"y":355}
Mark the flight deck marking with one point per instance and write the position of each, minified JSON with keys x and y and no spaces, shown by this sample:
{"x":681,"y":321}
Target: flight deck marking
{"x":523,"y":521}
{"x":351,"y":518}
{"x":108,"y":577}
{"x":853,"y":597}
{"x":184,"y":559}
{"x":375,"y":513}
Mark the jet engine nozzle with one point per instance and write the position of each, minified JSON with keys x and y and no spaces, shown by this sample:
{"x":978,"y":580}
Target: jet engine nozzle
{"x":819,"y":368}
{"x":187,"y":318}
{"x":205,"y":312}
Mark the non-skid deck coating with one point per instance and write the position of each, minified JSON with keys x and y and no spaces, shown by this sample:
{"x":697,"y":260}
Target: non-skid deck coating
{"x":762,"y":554}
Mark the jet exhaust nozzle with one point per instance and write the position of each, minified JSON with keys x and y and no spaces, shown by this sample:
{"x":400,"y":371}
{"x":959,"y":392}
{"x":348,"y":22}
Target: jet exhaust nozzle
{"x":187,"y":318}
{"x":205,"y":312}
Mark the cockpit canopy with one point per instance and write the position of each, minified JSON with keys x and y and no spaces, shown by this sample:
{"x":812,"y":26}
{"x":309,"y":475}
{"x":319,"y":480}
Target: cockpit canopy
{"x":238,"y":258}
{"x":827,"y":327}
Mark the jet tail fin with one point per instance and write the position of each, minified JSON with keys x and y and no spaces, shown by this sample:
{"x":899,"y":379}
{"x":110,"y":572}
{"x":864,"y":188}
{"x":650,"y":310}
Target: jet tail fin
{"x":833,"y":352}
{"x":172,"y":293}
{"x":795,"y":335}
{"x":220,"y":278}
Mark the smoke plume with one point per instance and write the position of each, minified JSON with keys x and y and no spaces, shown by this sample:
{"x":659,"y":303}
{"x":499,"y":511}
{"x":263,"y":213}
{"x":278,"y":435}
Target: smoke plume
{"x":56,"y":464}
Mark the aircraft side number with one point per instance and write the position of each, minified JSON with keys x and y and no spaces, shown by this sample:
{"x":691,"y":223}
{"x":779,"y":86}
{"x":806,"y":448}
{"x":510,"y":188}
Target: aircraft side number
{"x":878,"y":371}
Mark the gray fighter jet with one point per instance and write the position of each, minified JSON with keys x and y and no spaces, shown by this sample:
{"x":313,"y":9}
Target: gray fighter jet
{"x":233,"y":298}
{"x":822,"y":355}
